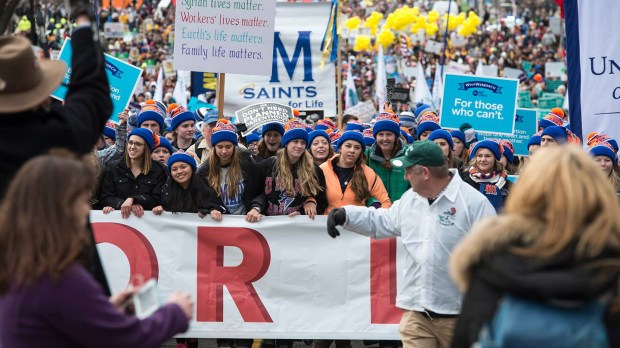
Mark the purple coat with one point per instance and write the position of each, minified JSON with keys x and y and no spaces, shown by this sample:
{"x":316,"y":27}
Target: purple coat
{"x":74,"y":312}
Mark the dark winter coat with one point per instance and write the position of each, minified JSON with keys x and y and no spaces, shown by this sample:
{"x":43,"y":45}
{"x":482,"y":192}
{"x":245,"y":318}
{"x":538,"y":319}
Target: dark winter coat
{"x":118,"y":184}
{"x":75,"y":126}
{"x":484,"y":266}
{"x":262,"y":192}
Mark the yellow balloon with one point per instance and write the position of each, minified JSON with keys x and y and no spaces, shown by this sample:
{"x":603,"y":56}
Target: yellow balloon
{"x":353,"y":23}
{"x":362,"y":43}
{"x":432,"y":29}
{"x":433,"y":16}
{"x":386,"y":38}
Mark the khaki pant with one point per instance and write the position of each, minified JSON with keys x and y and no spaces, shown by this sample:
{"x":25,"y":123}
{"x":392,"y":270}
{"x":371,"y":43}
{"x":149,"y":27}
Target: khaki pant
{"x":417,"y":330}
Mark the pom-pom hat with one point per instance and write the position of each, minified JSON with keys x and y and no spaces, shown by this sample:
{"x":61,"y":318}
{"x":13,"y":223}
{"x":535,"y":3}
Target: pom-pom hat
{"x":294,"y":130}
{"x":386,"y":121}
{"x":147,"y":135}
{"x":494,"y":147}
{"x":179,"y":114}
{"x":152,"y":110}
{"x":224,"y":131}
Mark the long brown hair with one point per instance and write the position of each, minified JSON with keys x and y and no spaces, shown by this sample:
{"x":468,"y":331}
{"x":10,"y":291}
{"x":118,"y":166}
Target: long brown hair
{"x":233,"y":177}
{"x":562,"y":188}
{"x":359,"y":183}
{"x":145,"y":162}
{"x":263,"y":151}
{"x":39,"y":231}
{"x":306,"y":174}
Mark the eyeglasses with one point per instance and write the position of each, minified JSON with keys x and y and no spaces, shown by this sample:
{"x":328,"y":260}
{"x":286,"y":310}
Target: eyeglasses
{"x":134,"y":143}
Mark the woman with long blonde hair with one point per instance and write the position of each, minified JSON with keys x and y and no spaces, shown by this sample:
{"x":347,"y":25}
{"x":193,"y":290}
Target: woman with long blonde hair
{"x":557,"y":240}
{"x":229,"y":167}
{"x":290,"y":183}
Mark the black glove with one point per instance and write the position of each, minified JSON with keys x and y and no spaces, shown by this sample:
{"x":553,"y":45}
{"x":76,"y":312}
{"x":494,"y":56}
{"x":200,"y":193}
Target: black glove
{"x":336,"y":217}
{"x":241,"y":127}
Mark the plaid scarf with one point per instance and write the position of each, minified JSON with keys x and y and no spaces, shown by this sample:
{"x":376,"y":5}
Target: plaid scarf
{"x":495,"y":177}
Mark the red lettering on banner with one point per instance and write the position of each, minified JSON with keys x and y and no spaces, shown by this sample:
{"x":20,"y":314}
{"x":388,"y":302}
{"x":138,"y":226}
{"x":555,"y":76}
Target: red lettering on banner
{"x":139,"y":251}
{"x":213,"y":275}
{"x":383,"y":289}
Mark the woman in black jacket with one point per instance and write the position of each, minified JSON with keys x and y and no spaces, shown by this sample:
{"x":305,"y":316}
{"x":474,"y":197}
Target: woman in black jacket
{"x":558,"y":241}
{"x":185,"y":192}
{"x":134,"y":183}
{"x":228,"y":168}
{"x":289,"y":183}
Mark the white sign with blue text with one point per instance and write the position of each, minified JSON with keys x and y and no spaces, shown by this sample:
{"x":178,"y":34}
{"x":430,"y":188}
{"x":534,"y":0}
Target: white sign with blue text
{"x":488,"y":104}
{"x":122,"y":78}
{"x":296,"y":78}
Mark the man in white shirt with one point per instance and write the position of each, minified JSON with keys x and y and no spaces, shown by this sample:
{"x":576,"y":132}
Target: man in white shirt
{"x":431,"y":218}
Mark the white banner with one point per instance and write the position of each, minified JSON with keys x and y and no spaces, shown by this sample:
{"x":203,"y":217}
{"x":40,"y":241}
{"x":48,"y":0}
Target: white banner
{"x":296,"y":77}
{"x":226,"y":36}
{"x":283,"y":277}
{"x":593,"y":66}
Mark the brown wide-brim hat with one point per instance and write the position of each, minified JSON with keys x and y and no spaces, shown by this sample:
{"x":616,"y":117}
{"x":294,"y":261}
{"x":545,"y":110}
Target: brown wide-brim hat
{"x":25,"y":82}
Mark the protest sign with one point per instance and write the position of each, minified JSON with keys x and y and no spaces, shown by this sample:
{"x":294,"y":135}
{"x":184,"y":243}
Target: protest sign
{"x":490,"y":70}
{"x":168,"y":68}
{"x":257,"y":115}
{"x":400,"y":95}
{"x":552,"y":85}
{"x":297,"y":78}
{"x":555,"y":24}
{"x":527,"y":66}
{"x":487,"y":103}
{"x":260,"y":280}
{"x":554,"y":69}
{"x":512,"y":73}
{"x":113,"y":30}
{"x":363,"y":110}
{"x":550,"y":103}
{"x":456,"y":68}
{"x":433,"y":47}
{"x":525,"y":127}
{"x":122,"y":77}
{"x":228,"y":36}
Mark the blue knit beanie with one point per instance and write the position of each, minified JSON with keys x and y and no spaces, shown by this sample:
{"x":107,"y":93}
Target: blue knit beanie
{"x":146,"y":135}
{"x":109,"y":132}
{"x":294,"y":130}
{"x":486,"y":144}
{"x":427,"y":126}
{"x":179,"y":115}
{"x":354,"y":125}
{"x":317,"y":133}
{"x":386,"y":122}
{"x":442,"y":134}
{"x":224,"y":132}
{"x":459,"y":135}
{"x":604,"y":150}
{"x":534,"y":140}
{"x":510,"y":156}
{"x":408,"y":138}
{"x":419,"y":108}
{"x":252,"y":137}
{"x":152,"y":110}
{"x":273,"y":126}
{"x":558,"y":133}
{"x":352,"y":135}
{"x":163,"y":142}
{"x":182,"y":157}
{"x":407,"y":119}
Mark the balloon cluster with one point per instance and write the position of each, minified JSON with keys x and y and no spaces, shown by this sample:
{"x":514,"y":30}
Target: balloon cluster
{"x":470,"y":25}
{"x":353,"y":23}
{"x":362,"y":43}
{"x":373,"y":21}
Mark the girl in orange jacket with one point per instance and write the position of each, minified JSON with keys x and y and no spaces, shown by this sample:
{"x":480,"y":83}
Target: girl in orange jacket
{"x":348,"y":180}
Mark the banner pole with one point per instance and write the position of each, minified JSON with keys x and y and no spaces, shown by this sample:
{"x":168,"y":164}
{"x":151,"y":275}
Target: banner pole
{"x":339,"y":84}
{"x":221,"y":79}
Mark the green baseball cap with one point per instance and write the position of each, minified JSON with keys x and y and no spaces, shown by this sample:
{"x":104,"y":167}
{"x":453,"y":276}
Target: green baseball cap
{"x":425,"y":153}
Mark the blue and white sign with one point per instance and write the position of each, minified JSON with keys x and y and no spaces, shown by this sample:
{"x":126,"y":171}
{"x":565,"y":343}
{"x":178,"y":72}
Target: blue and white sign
{"x":122,"y":77}
{"x":296,"y":78}
{"x":525,"y":127}
{"x":593,"y":64}
{"x":487,"y":103}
